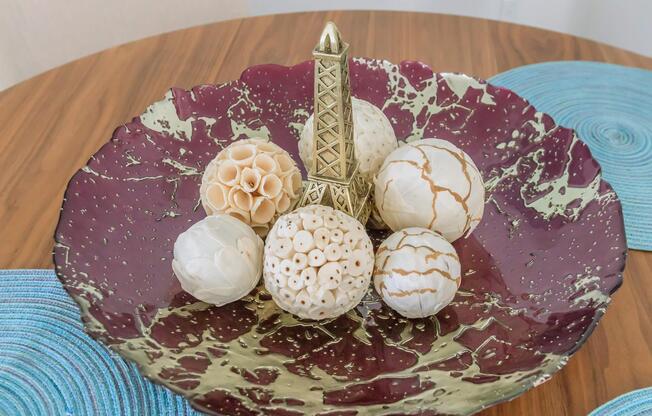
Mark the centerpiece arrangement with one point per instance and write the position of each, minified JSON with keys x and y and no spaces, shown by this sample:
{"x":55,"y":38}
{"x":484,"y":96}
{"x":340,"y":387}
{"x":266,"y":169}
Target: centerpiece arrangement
{"x":318,"y":260}
{"x":194,"y":248}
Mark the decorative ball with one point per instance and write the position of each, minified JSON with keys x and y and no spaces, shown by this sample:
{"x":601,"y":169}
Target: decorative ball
{"x":253,"y":180}
{"x":373,"y":138}
{"x":433,"y":184}
{"x":218,"y":259}
{"x":318,"y":262}
{"x":417,"y":272}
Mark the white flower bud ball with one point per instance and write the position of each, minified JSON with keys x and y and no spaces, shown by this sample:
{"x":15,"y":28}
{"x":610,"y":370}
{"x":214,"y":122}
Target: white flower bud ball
{"x":417,"y":272}
{"x":433,"y":184}
{"x":373,"y":138}
{"x":218,"y":259}
{"x":318,"y":262}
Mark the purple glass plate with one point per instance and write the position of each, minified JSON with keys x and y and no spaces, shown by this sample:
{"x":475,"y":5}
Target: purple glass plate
{"x":537,"y":273}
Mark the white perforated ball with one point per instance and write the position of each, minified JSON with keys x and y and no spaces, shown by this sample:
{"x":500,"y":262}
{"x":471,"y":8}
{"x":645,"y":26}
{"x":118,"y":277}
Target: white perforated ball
{"x":318,"y":262}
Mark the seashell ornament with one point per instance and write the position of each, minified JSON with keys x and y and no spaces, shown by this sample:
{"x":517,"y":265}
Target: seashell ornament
{"x":218,"y":260}
{"x":373,"y":138}
{"x":417,"y":272}
{"x":430,"y":183}
{"x":318,"y":262}
{"x":253,"y":180}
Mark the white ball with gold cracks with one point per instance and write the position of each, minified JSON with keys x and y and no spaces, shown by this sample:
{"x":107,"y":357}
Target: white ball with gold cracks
{"x":417,"y":272}
{"x":318,"y":262}
{"x":433,"y":184}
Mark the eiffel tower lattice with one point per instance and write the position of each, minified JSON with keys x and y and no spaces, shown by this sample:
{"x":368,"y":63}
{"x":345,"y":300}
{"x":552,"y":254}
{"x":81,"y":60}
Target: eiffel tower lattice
{"x":334,"y":178}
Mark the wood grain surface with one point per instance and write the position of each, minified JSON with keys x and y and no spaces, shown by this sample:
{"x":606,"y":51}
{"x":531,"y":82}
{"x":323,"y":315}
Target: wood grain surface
{"x":51,"y":124}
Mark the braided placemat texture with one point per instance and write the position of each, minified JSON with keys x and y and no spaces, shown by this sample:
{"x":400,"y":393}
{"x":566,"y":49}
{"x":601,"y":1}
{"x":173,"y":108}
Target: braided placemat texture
{"x":49,"y":366}
{"x":610,"y":107}
{"x":634,"y":403}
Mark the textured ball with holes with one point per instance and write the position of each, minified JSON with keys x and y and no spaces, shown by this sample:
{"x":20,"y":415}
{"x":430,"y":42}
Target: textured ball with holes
{"x":318,"y":262}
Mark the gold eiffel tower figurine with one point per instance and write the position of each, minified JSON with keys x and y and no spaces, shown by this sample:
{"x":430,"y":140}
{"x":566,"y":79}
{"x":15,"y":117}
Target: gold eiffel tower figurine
{"x":334,"y":178}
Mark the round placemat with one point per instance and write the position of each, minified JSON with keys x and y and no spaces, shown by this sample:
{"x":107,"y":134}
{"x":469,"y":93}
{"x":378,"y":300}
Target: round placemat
{"x":49,"y":366}
{"x":634,"y":403}
{"x":610,"y":107}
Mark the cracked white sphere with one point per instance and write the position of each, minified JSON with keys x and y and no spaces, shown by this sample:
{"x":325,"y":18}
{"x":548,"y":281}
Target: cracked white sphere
{"x":318,"y":262}
{"x":218,"y":260}
{"x":373,"y":138}
{"x":433,"y":184}
{"x":417,"y":272}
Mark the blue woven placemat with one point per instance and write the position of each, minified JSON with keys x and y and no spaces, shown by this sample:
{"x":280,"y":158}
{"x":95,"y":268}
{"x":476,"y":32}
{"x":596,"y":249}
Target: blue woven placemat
{"x":610,"y":107}
{"x":634,"y":403}
{"x":49,"y":366}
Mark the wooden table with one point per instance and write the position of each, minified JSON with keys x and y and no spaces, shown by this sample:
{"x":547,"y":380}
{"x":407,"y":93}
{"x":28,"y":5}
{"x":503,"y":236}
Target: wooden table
{"x":51,"y":124}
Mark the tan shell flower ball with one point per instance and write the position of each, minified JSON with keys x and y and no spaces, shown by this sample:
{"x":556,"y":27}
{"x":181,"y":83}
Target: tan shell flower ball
{"x":433,"y":184}
{"x":318,"y":262}
{"x":218,"y":259}
{"x":373,"y":138}
{"x":417,"y":272}
{"x":253,"y":180}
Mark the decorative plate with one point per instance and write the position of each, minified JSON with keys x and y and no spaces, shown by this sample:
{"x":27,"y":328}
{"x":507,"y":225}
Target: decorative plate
{"x":537,"y":273}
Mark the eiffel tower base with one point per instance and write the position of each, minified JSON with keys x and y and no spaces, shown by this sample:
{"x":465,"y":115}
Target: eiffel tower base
{"x":352,"y":195}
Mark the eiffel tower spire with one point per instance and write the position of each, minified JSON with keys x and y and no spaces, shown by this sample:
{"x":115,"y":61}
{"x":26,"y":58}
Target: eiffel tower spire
{"x":334,"y":178}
